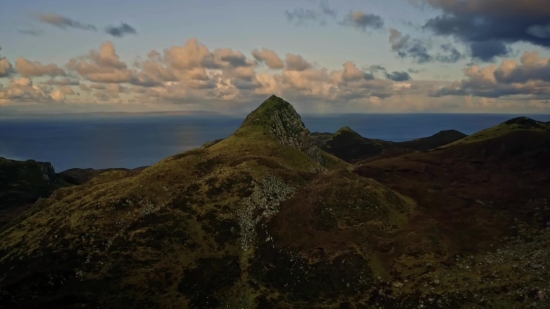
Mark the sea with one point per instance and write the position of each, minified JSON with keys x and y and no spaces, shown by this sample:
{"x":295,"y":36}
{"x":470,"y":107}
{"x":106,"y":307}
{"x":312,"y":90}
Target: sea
{"x":136,"y":141}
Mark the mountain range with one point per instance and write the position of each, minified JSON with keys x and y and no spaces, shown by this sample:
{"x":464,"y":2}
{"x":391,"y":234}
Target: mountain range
{"x":277,"y":217}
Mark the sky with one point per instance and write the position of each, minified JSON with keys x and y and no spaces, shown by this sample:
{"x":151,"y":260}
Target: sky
{"x":227,"y":56}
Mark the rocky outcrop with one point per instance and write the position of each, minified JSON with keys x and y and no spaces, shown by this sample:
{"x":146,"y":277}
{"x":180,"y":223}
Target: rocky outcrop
{"x":48,"y":172}
{"x":261,"y":205}
{"x":285,"y":125}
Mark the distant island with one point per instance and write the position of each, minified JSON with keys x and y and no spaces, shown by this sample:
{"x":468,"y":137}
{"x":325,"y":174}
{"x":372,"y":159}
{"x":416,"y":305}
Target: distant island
{"x":274,"y":216}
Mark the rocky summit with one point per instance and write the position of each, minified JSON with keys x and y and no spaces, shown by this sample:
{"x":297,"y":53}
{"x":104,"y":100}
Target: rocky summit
{"x":265,"y":219}
{"x":285,"y":125}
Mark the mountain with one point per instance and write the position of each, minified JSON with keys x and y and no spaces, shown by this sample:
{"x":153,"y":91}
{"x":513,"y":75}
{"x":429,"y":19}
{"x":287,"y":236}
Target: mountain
{"x":512,"y":125}
{"x":261,"y":219}
{"x":267,"y":219}
{"x":350,"y":146}
{"x":22,"y":183}
{"x":439,"y":139}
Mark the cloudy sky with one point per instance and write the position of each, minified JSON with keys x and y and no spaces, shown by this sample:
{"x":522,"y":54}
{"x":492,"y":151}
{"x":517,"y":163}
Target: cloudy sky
{"x":457,"y":56}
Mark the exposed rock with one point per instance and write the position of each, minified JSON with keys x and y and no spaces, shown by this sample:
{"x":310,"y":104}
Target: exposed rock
{"x":285,"y":125}
{"x":397,"y":284}
{"x":261,"y":205}
{"x":48,"y":172}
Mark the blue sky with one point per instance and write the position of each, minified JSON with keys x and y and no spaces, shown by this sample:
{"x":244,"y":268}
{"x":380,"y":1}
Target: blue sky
{"x":424,"y":69}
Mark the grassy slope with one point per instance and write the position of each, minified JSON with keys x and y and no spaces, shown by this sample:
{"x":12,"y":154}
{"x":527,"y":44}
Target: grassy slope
{"x":78,"y":176}
{"x":512,"y":125}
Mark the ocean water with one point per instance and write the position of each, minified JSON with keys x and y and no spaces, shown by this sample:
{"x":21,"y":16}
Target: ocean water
{"x":132,"y":142}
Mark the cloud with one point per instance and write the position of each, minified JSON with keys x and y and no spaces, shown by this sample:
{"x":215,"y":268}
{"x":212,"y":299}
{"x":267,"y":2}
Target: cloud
{"x":327,"y":10}
{"x":397,"y":39}
{"x":414,"y":71}
{"x":6,"y":69}
{"x":532,"y":68}
{"x":84,"y":87}
{"x":296,"y":63}
{"x":405,"y":47}
{"x":120,"y":31}
{"x":420,"y":51}
{"x":488,"y":27}
{"x":229,"y":58}
{"x":359,"y":20}
{"x":62,"y":82}
{"x":376,"y":68}
{"x":398,"y":76}
{"x":22,"y":90}
{"x":36,"y":69}
{"x":192,"y":76}
{"x":451,"y":55}
{"x":269,"y":57}
{"x":394,"y":76}
{"x":32,"y":32}
{"x":488,"y":50}
{"x":530,"y":79}
{"x":64,"y":22}
{"x":352,"y":73}
{"x":103,"y":66}
{"x":57,"y":95}
{"x":303,"y":17}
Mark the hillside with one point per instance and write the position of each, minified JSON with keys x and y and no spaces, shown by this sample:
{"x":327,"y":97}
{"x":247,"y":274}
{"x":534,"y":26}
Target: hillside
{"x":439,"y":139}
{"x":512,"y":125}
{"x":78,"y":176}
{"x":489,"y":200}
{"x":218,"y":226}
{"x":350,"y":146}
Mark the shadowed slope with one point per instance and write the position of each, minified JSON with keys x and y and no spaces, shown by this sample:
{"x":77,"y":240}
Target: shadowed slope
{"x":22,"y":183}
{"x":480,"y":196}
{"x":512,"y":125}
{"x":349,"y":146}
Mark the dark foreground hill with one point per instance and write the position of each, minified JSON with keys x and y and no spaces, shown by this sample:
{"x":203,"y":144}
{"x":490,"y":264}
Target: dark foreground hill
{"x":350,"y":146}
{"x":22,"y":183}
{"x":489,"y":200}
{"x":266,"y":219}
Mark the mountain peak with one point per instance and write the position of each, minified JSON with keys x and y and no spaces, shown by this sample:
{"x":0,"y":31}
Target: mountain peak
{"x":280,"y":120}
{"x":262,"y":115}
{"x":347,"y":130}
{"x":524,"y":122}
